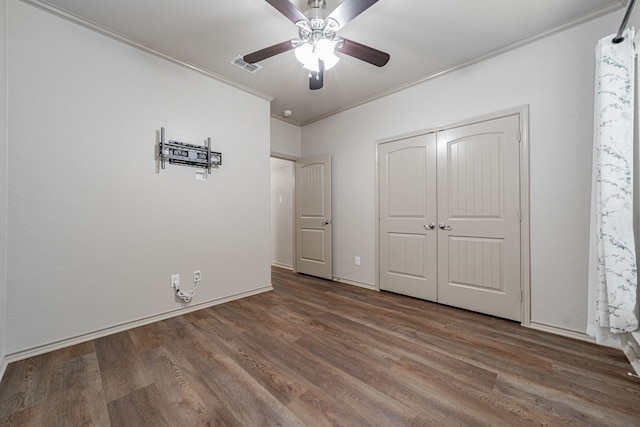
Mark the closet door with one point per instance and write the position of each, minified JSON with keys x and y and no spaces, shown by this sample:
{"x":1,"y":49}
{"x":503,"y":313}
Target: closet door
{"x":407,"y":196}
{"x":479,"y":218}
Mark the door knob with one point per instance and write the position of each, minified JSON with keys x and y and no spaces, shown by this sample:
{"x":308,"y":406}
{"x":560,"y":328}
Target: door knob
{"x":327,"y":222}
{"x":441,"y":226}
{"x":429,"y":227}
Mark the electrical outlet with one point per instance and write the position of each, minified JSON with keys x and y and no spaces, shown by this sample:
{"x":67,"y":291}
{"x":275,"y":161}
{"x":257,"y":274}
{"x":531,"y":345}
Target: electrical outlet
{"x":175,"y":281}
{"x":197,"y":276}
{"x":357,"y":260}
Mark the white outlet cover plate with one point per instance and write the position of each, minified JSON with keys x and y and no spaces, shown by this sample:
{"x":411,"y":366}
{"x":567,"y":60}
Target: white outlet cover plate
{"x":175,"y":280}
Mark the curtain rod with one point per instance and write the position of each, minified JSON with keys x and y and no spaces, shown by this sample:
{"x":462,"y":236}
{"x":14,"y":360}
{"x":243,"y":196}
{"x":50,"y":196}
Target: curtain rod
{"x":618,"y":38}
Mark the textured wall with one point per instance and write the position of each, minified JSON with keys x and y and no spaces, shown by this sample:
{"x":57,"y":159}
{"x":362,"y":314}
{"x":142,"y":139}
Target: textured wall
{"x":95,"y":229}
{"x":555,"y":77}
{"x":3,"y":179}
{"x":285,"y":139}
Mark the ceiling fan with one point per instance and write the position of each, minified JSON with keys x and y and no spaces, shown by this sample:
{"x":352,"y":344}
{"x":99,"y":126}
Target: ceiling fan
{"x":318,"y":42}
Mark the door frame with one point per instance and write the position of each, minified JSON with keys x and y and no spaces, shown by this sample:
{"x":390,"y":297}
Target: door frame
{"x":525,"y":242}
{"x":293,"y":160}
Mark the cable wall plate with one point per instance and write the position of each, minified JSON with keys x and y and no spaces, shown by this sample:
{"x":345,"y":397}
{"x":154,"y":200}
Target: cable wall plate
{"x":181,"y":153}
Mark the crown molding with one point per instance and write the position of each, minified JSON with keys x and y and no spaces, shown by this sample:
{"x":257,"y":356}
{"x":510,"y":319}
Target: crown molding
{"x":563,"y":27}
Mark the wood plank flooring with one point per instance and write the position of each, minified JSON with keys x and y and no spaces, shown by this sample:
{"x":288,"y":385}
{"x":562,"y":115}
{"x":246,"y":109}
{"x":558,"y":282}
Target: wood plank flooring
{"x":319,"y":353}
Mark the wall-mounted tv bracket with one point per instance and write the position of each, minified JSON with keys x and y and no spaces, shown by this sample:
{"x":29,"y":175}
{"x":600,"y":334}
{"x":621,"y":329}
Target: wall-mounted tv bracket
{"x":181,"y":153}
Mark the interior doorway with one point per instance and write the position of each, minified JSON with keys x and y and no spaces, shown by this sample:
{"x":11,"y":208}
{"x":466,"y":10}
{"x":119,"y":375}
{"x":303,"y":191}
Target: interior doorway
{"x":282,"y":212}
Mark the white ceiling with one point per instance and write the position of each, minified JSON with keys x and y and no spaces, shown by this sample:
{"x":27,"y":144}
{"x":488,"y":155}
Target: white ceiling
{"x":423,"y":37}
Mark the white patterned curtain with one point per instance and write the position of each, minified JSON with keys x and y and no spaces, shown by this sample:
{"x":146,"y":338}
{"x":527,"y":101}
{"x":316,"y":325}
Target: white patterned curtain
{"x":613,"y":308}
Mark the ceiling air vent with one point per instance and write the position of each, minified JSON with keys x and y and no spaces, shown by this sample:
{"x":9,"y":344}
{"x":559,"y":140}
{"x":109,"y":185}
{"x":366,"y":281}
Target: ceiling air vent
{"x":241,"y":63}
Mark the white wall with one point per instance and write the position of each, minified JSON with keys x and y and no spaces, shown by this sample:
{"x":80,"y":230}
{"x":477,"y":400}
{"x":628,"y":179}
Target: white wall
{"x":282,"y":211}
{"x":94,"y":229}
{"x":285,"y":139}
{"x":555,"y":77}
{"x":3,"y":182}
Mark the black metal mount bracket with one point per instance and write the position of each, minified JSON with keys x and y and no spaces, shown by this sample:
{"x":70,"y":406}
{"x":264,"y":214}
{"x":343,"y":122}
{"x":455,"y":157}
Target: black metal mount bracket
{"x":181,"y":153}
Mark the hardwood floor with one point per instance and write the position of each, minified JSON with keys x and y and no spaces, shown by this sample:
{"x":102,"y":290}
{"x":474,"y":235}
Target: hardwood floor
{"x":319,"y":353}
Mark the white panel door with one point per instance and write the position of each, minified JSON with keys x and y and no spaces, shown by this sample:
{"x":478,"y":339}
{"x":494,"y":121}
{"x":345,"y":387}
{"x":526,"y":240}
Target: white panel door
{"x":407,"y":187}
{"x":313,"y":216}
{"x":479,"y":217}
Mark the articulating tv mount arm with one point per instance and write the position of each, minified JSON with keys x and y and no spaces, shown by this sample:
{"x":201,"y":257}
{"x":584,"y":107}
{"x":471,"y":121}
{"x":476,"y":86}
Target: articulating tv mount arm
{"x":181,"y":153}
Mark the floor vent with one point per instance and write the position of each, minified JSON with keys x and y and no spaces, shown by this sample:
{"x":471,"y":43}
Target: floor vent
{"x":241,"y":63}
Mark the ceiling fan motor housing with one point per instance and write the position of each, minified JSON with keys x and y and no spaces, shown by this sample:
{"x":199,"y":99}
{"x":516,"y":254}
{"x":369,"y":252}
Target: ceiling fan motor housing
{"x":316,"y":9}
{"x":317,"y":4}
{"x":318,"y":26}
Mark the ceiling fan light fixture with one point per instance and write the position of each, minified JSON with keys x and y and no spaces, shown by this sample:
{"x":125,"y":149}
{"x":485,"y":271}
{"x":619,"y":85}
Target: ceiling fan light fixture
{"x":324,"y":51}
{"x":330,"y":60}
{"x":304,"y":53}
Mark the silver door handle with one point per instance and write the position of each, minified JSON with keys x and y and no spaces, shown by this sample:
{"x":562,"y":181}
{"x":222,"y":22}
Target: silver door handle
{"x":429,"y":227}
{"x":441,"y":226}
{"x":327,"y":222}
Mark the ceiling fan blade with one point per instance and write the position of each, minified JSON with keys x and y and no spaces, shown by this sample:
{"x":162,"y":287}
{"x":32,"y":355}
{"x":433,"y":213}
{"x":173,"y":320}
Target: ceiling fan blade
{"x":268,"y":52}
{"x":364,"y":53}
{"x":316,"y":78}
{"x":288,"y":9}
{"x":349,"y":9}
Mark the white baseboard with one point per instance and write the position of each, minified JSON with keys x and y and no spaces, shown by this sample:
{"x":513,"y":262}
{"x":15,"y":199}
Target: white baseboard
{"x":3,"y":367}
{"x":285,"y":266}
{"x":561,"y":331}
{"x":57,"y":345}
{"x":632,"y":351}
{"x":354,"y":283}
